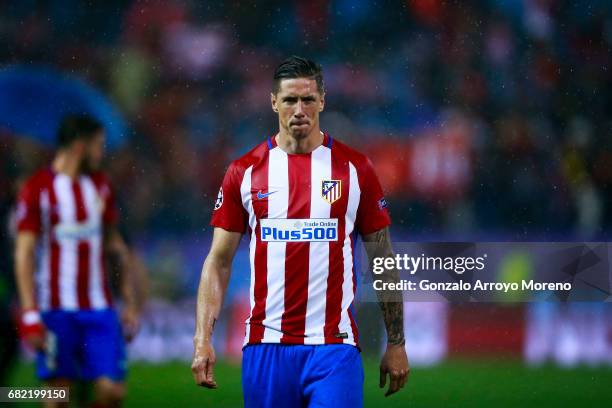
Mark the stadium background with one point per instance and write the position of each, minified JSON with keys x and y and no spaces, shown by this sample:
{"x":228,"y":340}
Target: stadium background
{"x":485,"y":121}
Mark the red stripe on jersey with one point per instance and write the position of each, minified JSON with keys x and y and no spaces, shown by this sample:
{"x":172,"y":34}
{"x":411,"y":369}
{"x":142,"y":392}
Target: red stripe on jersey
{"x":335,"y":278}
{"x":83,"y":275}
{"x":83,"y":250}
{"x":351,"y":307}
{"x":297,"y":254}
{"x":54,"y":256}
{"x":259,"y":180}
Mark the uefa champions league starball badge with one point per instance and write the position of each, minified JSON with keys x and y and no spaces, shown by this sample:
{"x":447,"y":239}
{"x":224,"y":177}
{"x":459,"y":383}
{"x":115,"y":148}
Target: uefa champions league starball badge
{"x":219,"y":201}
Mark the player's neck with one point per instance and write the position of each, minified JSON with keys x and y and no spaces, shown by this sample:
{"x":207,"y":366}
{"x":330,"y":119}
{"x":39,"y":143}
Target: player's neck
{"x":66,"y":164}
{"x":291,"y":145}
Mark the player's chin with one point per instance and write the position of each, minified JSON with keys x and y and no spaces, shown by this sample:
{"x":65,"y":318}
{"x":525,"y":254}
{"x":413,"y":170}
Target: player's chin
{"x":300,"y":131}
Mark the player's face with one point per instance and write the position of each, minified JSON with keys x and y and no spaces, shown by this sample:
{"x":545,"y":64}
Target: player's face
{"x":298,"y":103}
{"x":94,"y":152}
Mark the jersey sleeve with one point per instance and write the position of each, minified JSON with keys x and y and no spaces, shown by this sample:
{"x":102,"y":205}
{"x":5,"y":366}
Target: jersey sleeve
{"x":372,"y":213}
{"x":28,"y":207}
{"x":229,"y":212}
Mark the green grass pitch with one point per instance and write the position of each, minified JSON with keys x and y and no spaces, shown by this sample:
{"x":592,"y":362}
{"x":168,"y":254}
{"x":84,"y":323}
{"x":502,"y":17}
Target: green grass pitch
{"x":462,"y":383}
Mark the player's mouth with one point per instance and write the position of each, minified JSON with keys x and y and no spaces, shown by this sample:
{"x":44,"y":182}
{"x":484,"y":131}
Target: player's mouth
{"x":299,"y":123}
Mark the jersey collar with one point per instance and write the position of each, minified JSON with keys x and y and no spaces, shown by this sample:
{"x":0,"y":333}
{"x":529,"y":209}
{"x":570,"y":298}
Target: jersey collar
{"x":327,"y":141}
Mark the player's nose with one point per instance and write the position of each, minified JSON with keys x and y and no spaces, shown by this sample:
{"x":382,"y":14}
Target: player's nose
{"x":299,"y":110}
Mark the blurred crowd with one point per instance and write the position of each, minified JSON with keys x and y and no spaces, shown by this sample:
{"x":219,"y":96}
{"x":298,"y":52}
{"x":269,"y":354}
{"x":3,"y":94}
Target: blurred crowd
{"x":483,"y":119}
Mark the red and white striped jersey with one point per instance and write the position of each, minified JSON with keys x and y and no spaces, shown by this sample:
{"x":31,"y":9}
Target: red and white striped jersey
{"x":301,"y":211}
{"x":68,"y":215}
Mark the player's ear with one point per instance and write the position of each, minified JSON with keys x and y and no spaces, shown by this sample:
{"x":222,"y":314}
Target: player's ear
{"x":322,"y":103}
{"x":273,"y":101}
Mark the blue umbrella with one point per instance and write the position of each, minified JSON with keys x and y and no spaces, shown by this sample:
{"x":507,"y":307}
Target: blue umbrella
{"x":33,"y":101}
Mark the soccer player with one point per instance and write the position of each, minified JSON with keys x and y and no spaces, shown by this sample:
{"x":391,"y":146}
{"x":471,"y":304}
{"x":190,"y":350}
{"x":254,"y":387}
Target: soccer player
{"x":300,"y":195}
{"x":68,"y":212}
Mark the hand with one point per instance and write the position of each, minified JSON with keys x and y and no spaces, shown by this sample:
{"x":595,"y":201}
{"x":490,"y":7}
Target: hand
{"x":394,"y":363}
{"x":32,"y":330}
{"x":203,"y":363}
{"x":130,"y":322}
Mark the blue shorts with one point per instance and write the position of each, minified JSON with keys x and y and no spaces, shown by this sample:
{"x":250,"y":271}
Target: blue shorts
{"x":82,"y":345}
{"x":282,"y":375}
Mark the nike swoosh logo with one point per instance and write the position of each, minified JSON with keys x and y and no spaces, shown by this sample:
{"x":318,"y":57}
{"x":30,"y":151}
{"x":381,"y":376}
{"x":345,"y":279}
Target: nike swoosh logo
{"x":261,"y":196}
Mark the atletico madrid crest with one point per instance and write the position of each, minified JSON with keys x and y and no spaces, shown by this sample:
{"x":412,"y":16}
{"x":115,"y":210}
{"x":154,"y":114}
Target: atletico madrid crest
{"x":331,"y":190}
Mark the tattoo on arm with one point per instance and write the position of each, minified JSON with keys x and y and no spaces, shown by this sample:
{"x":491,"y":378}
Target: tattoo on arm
{"x":378,"y":244}
{"x":393,"y":314}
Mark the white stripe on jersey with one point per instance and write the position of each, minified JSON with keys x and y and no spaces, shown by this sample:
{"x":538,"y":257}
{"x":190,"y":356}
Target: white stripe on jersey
{"x":44,"y":273}
{"x":278,"y":206}
{"x":94,"y":216}
{"x":247,"y":202}
{"x":62,"y":185}
{"x":347,"y":285}
{"x":321,"y":169}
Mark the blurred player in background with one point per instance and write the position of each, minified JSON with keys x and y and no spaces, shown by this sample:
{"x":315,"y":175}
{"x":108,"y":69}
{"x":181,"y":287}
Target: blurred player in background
{"x":8,"y":333}
{"x":68,"y":211}
{"x":300,"y":195}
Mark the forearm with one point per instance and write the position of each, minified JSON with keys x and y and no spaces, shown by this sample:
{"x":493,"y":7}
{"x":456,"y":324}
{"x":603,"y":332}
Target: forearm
{"x":119,"y":252}
{"x":390,"y":301}
{"x":393,"y":315}
{"x":211,"y":291}
{"x":126,"y":285}
{"x":392,"y":307}
{"x":24,"y":274}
